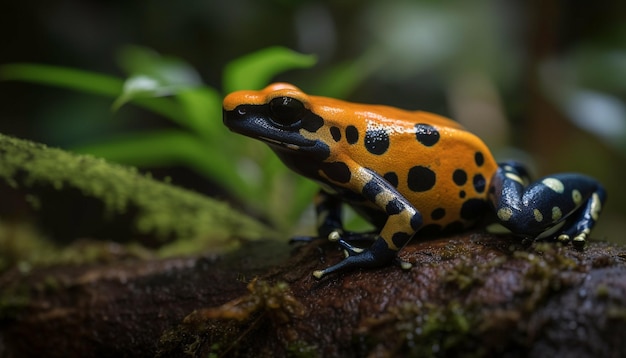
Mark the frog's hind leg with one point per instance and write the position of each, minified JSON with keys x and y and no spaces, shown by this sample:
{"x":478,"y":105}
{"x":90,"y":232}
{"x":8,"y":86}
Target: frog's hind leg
{"x":565,"y":206}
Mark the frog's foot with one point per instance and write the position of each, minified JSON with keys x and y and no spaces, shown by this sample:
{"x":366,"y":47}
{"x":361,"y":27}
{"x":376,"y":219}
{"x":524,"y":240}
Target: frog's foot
{"x":577,"y":228}
{"x":350,"y":236}
{"x":349,"y":249}
{"x":336,"y":235}
{"x":379,"y":254}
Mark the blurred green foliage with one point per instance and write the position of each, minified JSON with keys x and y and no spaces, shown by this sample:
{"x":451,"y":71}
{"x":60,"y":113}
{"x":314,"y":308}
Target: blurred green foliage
{"x":588,"y":86}
{"x":174,"y":90}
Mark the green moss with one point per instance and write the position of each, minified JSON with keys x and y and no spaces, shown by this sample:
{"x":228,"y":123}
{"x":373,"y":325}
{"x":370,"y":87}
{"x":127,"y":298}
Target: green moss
{"x":236,"y":326}
{"x":545,"y":274}
{"x":452,"y":250}
{"x":468,"y":273}
{"x":602,"y":291}
{"x":300,"y":349}
{"x":425,"y":330}
{"x":274,"y":300}
{"x":464,"y":275}
{"x":152,"y":209}
{"x":616,"y":312}
{"x":457,"y":328}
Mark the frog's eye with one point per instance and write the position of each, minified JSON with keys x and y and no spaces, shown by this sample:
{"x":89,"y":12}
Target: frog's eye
{"x":286,"y":110}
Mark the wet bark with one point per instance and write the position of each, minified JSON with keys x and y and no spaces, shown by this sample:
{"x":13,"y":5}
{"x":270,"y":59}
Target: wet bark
{"x":471,"y":294}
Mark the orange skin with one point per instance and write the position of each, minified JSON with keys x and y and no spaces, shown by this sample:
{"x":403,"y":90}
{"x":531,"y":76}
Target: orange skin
{"x":454,"y":150}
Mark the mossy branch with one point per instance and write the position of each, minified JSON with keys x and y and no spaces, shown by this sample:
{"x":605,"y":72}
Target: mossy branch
{"x":106,"y":199}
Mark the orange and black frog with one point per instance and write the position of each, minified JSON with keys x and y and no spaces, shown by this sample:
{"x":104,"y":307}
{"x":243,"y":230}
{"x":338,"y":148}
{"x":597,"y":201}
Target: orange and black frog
{"x":406,"y":172}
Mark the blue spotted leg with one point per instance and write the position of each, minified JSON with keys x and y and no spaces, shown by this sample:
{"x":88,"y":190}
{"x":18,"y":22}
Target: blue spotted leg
{"x":565,"y":206}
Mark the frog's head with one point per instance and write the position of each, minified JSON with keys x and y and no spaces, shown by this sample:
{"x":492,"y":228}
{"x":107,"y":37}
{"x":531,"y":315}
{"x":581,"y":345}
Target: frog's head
{"x":279,"y":115}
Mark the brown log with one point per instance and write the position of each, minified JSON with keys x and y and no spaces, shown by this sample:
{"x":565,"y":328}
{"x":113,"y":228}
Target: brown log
{"x":471,"y":294}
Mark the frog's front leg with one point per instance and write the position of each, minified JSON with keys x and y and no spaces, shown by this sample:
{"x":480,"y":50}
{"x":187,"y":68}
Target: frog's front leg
{"x":565,"y":206}
{"x":328,"y":211}
{"x":403,"y":220}
{"x":328,"y":208}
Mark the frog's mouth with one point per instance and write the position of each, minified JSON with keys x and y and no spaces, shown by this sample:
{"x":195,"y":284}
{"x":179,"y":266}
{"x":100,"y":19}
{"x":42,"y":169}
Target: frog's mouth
{"x":255,"y":124}
{"x":281,"y":144}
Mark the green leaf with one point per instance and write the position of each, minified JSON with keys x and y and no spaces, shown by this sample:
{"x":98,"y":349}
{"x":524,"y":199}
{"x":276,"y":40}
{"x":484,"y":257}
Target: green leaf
{"x":153,"y":75}
{"x":141,"y":86}
{"x":166,"y":70}
{"x":255,"y":70}
{"x":83,"y":81}
{"x":202,"y":107}
{"x":164,"y":106}
{"x":168,"y":147}
{"x":62,"y":77}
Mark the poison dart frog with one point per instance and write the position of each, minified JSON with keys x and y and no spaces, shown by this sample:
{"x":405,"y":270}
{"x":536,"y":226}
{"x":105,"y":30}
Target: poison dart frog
{"x":405,"y":172}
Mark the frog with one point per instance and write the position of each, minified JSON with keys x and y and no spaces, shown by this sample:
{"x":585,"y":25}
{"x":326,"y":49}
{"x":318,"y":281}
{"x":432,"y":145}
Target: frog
{"x":408,"y":173}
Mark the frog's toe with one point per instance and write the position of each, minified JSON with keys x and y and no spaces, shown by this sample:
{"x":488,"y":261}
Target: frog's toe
{"x":349,"y":249}
{"x":578,"y":238}
{"x":351,"y":236}
{"x":335,"y":235}
{"x":405,"y":265}
{"x":353,"y":260}
{"x":563,"y":238}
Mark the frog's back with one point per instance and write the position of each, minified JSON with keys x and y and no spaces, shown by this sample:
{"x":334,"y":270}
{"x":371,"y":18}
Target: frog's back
{"x":442,"y":169}
{"x":446,"y":179}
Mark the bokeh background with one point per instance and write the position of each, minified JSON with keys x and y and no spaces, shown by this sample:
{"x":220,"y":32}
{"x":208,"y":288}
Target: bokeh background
{"x":540,"y":81}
